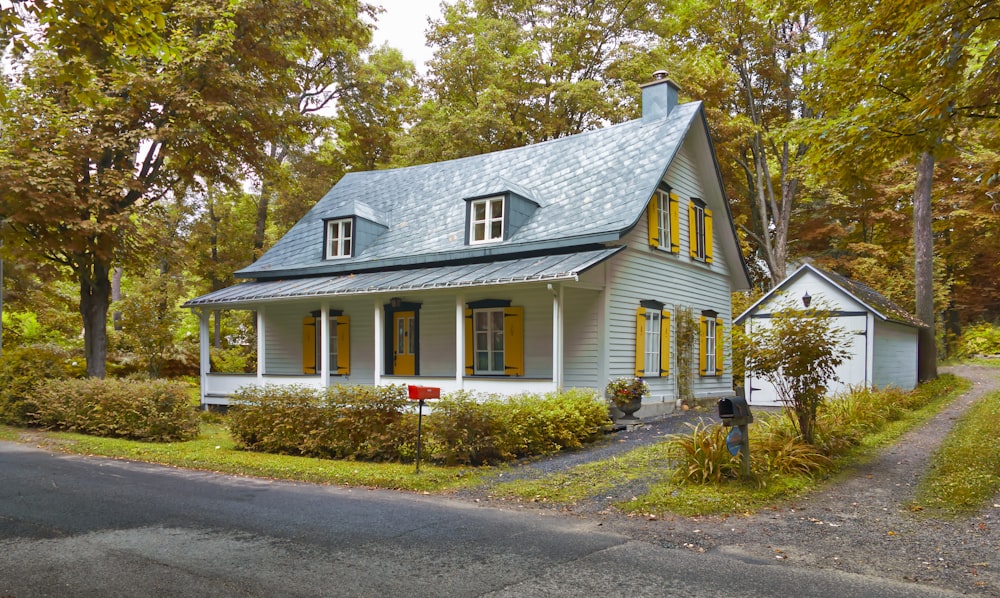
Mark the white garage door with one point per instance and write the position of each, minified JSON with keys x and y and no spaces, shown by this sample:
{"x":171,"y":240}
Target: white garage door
{"x":850,"y":373}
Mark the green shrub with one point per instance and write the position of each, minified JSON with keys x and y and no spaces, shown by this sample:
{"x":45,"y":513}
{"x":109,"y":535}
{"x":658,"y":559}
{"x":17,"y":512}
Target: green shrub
{"x":22,"y":369}
{"x":474,"y":429}
{"x":980,"y":339}
{"x":338,"y":423}
{"x":150,"y":410}
{"x":380,"y":424}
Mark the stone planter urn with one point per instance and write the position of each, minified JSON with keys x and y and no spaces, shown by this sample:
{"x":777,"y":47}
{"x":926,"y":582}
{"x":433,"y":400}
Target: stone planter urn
{"x":629,"y":406}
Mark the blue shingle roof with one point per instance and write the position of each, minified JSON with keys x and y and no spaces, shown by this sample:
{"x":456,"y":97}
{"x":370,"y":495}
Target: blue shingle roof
{"x":590,"y":188}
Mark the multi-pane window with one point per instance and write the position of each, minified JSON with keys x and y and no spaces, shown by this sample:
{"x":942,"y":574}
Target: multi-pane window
{"x":710,"y":345}
{"x":339,"y":238}
{"x":698,"y":230}
{"x":652,"y":359}
{"x":663,"y":217}
{"x":488,"y":341}
{"x":486,"y":220}
{"x":333,"y":344}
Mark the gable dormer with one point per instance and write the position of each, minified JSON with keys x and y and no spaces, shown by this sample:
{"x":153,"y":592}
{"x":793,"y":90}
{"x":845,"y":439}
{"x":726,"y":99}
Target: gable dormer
{"x":495,"y":216}
{"x":354,"y":228}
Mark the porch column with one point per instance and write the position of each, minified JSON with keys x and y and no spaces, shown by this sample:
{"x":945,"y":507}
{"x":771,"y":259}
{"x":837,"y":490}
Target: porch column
{"x":379,"y":342}
{"x":460,"y":341}
{"x":204,"y":351}
{"x":557,"y":335}
{"x":324,"y":344}
{"x":261,"y":333}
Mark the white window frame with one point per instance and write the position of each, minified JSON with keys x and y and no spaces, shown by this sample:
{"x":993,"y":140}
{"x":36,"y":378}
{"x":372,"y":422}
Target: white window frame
{"x":710,"y":365}
{"x":663,"y":218}
{"x":493,"y":355}
{"x":651,"y":366}
{"x":342,"y":245}
{"x":487,"y":221}
{"x":699,"y":229}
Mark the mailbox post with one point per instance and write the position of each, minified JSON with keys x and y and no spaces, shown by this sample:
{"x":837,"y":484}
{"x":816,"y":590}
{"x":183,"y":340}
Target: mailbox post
{"x":421,"y":394}
{"x":734,"y":411}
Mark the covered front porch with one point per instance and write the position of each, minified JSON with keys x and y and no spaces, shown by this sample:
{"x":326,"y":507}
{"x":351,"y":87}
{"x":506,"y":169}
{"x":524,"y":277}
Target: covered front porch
{"x":538,"y":329}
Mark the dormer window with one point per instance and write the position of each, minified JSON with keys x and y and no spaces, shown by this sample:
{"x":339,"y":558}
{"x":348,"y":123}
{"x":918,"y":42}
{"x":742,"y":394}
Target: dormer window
{"x":486,"y":220}
{"x":339,"y":238}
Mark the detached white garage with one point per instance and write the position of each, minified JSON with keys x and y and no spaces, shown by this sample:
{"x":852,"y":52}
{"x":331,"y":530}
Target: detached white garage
{"x":883,"y":343}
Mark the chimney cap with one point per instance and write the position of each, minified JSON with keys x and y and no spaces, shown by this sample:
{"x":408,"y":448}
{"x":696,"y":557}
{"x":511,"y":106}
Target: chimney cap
{"x":659,"y":75}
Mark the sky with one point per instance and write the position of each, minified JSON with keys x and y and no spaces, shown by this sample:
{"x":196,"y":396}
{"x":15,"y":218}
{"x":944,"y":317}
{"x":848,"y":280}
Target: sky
{"x":402,"y":26}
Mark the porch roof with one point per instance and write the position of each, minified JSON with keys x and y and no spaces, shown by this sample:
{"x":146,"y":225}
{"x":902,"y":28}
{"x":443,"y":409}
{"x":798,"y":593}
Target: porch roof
{"x":543,"y":268}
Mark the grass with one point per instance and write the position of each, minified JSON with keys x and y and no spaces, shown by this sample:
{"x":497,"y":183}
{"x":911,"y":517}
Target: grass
{"x":214,"y":450}
{"x":747,"y":497}
{"x":652,"y":464}
{"x":587,"y":480}
{"x":965,"y":470}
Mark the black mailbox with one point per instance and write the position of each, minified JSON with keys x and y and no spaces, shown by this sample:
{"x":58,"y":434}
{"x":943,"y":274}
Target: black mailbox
{"x":734,"y":411}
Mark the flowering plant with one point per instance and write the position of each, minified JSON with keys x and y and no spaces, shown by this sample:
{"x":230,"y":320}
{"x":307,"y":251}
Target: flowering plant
{"x":622,"y":391}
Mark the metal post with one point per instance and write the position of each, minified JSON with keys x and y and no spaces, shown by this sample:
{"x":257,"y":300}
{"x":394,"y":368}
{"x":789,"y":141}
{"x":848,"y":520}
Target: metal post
{"x":745,"y":452}
{"x":420,"y":419}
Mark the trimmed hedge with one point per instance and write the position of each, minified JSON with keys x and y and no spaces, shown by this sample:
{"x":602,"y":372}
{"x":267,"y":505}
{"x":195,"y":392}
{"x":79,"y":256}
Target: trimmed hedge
{"x":379,"y":424}
{"x":149,"y":410}
{"x":22,"y":369}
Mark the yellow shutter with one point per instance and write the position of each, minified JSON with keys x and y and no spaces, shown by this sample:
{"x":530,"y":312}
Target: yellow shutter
{"x":653,"y":220}
{"x":702,"y":341}
{"x":640,"y":342}
{"x":719,"y":347}
{"x":343,"y":324}
{"x":309,"y":345}
{"x":708,"y":236}
{"x":513,"y":341}
{"x":470,"y":354}
{"x":675,"y":223}
{"x":664,"y":343}
{"x":692,"y":232}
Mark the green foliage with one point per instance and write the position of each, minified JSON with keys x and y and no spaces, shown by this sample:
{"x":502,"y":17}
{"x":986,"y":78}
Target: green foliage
{"x":687,"y":349}
{"x":701,"y":456}
{"x":156,"y":410}
{"x":23,"y":328}
{"x":22,"y":369}
{"x":965,"y":473}
{"x":340,"y":422}
{"x":238,"y":359}
{"x":379,"y":424}
{"x":979,"y":340}
{"x":797,"y":351}
{"x":150,"y":314}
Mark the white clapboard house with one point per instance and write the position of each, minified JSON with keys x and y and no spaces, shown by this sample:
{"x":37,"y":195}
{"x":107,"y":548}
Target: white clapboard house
{"x":554,"y":265}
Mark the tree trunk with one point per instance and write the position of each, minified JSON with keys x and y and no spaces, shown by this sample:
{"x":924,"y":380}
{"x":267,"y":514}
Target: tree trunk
{"x":923,"y":243}
{"x":95,"y":297}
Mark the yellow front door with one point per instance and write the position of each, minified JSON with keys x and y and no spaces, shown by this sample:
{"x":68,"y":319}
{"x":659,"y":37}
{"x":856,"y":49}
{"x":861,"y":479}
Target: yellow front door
{"x":404,"y":345}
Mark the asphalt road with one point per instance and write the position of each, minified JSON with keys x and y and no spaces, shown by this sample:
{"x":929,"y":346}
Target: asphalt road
{"x":75,"y":526}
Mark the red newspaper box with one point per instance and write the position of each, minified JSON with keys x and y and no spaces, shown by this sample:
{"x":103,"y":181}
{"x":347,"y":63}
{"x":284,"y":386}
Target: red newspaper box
{"x":419,"y":393}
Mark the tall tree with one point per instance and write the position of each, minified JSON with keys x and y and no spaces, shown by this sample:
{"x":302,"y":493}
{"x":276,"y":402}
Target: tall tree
{"x":902,"y":79}
{"x":748,"y":60}
{"x":109,"y":111}
{"x":506,"y":73}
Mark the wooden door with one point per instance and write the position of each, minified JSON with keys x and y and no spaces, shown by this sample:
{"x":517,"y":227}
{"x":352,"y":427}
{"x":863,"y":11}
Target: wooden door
{"x":404,"y":343}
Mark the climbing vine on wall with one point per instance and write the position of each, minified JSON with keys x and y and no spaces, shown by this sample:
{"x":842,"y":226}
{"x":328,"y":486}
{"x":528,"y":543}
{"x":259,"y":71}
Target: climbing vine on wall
{"x":687,"y":337}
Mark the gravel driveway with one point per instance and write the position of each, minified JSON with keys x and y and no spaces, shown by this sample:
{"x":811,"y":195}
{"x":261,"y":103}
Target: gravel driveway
{"x":859,"y":524}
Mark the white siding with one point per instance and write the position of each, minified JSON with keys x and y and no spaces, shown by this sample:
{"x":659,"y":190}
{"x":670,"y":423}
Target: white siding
{"x":895,"y":360}
{"x":283,"y":339}
{"x":437,"y":335}
{"x":581,"y":339}
{"x":677,"y":280}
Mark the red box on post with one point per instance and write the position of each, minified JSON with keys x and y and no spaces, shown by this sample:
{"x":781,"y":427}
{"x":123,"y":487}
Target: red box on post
{"x":419,"y":393}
